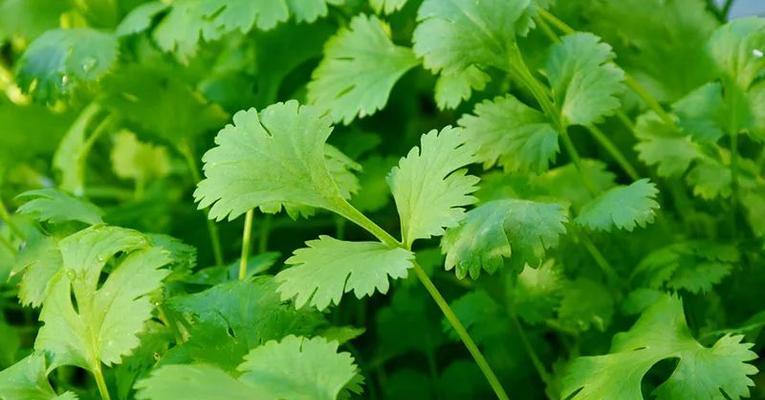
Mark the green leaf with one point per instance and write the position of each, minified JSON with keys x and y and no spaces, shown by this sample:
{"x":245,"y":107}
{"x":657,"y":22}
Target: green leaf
{"x":499,"y":229}
{"x":295,"y":368}
{"x":429,"y":186}
{"x":360,"y":66}
{"x":328,"y":267}
{"x":387,"y":6}
{"x":226,"y":321}
{"x":452,"y":89}
{"x":70,"y":155}
{"x":61,"y":60}
{"x":190,"y":21}
{"x":29,"y":18}
{"x":537,"y":292}
{"x":585,"y":304}
{"x":512,"y":134}
{"x":585,"y":83}
{"x":454,"y":35}
{"x":694,"y":266}
{"x":140,"y":18}
{"x":664,"y":146}
{"x":145,"y":95}
{"x":28,"y":380}
{"x":86,"y":325}
{"x":565,"y":184}
{"x":285,"y":139}
{"x":39,"y":261}
{"x":734,"y":47}
{"x":55,"y":206}
{"x":710,"y":179}
{"x":136,"y":160}
{"x":622,"y":207}
{"x":717,"y":372}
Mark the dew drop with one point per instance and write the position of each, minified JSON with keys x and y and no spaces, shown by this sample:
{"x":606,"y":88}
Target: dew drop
{"x":758,"y":53}
{"x":88,"y":64}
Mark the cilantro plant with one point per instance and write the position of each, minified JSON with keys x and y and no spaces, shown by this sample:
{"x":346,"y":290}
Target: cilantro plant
{"x":382,"y":199}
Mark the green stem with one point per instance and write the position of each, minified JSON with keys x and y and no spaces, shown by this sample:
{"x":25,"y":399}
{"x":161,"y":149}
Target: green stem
{"x":264,"y":233}
{"x":648,"y":99}
{"x":600,"y":260}
{"x":574,"y":154}
{"x":535,"y":360}
{"x":5,"y":216}
{"x":725,"y":10}
{"x":614,"y":151}
{"x":246,"y":244}
{"x":734,"y":179}
{"x":191,"y":163}
{"x":541,"y":94}
{"x":354,"y":215}
{"x":461,"y":332}
{"x":631,"y":82}
{"x":103,"y":390}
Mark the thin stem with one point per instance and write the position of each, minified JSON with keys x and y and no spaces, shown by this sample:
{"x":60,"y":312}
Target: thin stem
{"x":191,"y":163}
{"x":461,"y":332}
{"x":5,"y":216}
{"x":354,"y":215}
{"x":540,"y":93}
{"x":600,"y":260}
{"x":562,"y":26}
{"x":574,"y":154}
{"x":614,"y":151}
{"x":734,"y":179}
{"x":103,"y":390}
{"x":725,"y":10}
{"x":631,"y":82}
{"x":535,"y":360}
{"x":648,"y":99}
{"x":264,"y":233}
{"x":246,"y":244}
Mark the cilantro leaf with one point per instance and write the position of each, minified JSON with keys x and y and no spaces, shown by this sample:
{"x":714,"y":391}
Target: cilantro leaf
{"x":622,"y":207}
{"x":733,"y":48}
{"x":585,"y":84}
{"x":145,"y":95}
{"x":694,"y":266}
{"x":429,"y":187}
{"x":55,"y":206}
{"x":360,"y":66}
{"x":228,"y":320}
{"x":294,"y":368}
{"x":585,"y":304}
{"x":85,"y":325}
{"x":716,"y":372}
{"x":285,"y":139}
{"x":387,"y":6}
{"x":139,"y":19}
{"x":537,"y":292}
{"x":39,"y":262}
{"x":60,"y":60}
{"x":454,"y":35}
{"x":512,"y":134}
{"x":664,"y":146}
{"x":328,"y":267}
{"x":498,"y":229}
{"x":452,"y":89}
{"x":133,"y":159}
{"x":28,"y":380}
